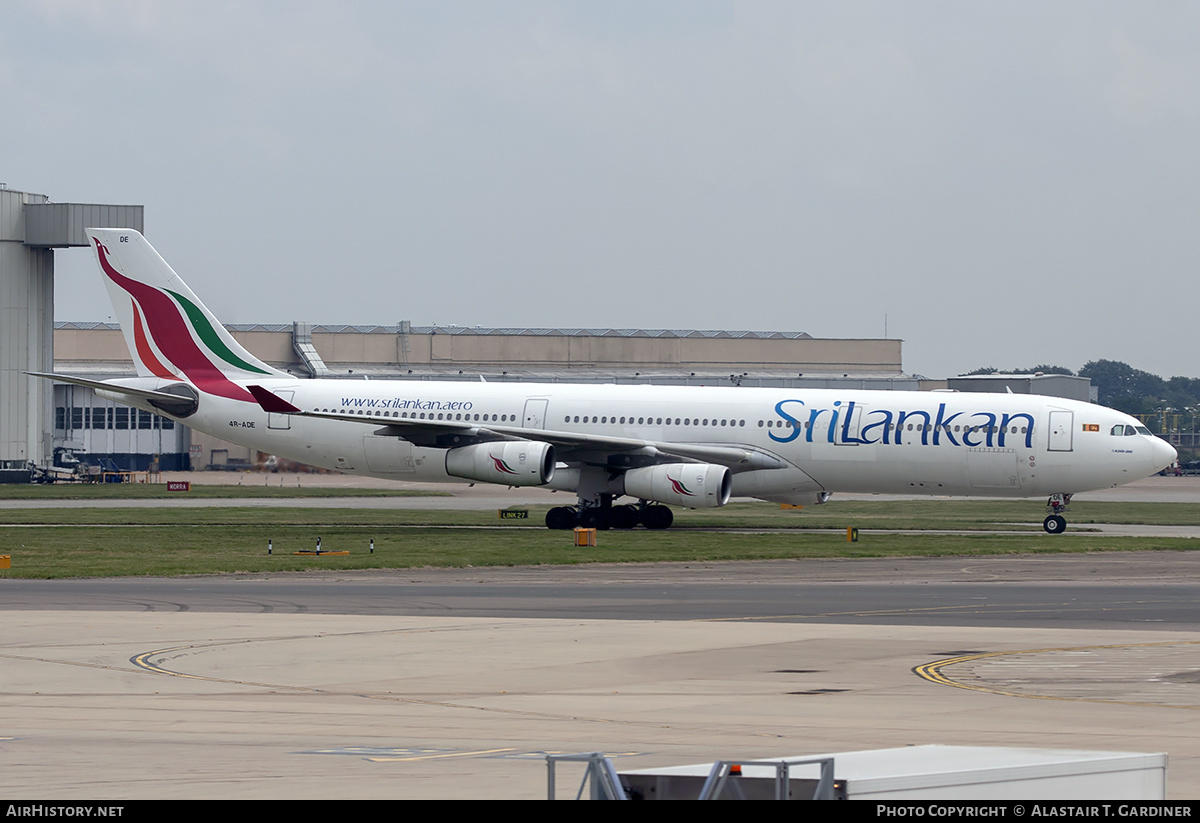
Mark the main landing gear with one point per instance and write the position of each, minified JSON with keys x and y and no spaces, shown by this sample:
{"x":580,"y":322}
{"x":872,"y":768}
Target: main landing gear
{"x":1055,"y":523}
{"x":607,"y":516}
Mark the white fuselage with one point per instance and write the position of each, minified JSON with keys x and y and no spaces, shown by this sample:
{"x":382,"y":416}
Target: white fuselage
{"x":943,"y":443}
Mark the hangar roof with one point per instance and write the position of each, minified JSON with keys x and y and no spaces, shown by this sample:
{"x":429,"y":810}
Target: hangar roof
{"x":352,"y":328}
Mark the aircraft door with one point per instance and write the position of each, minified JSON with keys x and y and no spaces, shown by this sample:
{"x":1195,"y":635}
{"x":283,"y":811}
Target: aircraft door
{"x":1062,"y":425}
{"x":535,"y":413}
{"x":275,"y":420}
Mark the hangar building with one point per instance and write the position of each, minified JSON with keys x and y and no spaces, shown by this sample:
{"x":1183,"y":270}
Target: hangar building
{"x":31,"y":228}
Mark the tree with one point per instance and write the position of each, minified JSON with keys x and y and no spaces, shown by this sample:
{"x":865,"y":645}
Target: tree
{"x":1120,"y":386}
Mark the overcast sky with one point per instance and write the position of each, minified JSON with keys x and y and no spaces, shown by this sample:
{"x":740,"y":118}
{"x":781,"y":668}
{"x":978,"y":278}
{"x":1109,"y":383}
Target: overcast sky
{"x":1006,"y":183}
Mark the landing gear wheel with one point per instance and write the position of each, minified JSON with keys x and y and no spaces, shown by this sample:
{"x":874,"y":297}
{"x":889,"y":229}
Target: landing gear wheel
{"x":657,"y":517}
{"x":595,"y":518}
{"x":1055,"y":524}
{"x":623,"y":517}
{"x":561,"y":517}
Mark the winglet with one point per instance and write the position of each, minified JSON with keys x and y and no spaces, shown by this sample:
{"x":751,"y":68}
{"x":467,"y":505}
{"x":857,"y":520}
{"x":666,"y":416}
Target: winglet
{"x":271,"y":402}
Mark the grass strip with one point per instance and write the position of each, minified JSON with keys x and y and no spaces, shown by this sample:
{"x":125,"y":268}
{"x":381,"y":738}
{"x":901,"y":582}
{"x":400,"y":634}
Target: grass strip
{"x":85,"y":551}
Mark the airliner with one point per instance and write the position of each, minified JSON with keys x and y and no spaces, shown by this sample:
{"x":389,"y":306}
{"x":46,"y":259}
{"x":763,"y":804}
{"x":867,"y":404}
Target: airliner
{"x":647,"y":447}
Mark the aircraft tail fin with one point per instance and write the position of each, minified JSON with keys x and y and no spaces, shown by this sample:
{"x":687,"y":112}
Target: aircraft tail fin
{"x":170,"y":333}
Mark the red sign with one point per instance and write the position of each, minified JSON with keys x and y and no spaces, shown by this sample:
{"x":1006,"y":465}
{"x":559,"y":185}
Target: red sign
{"x":179,"y":486}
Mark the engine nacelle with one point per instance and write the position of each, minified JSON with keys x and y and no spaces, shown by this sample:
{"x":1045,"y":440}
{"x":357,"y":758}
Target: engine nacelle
{"x":695,"y":485}
{"x":509,"y":462}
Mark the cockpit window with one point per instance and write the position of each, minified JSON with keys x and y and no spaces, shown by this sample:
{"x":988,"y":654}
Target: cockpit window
{"x":1121,"y":430}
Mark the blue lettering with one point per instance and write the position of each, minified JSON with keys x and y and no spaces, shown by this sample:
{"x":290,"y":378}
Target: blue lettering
{"x":833,"y":422}
{"x":885,"y":422}
{"x":924,"y":426}
{"x":943,"y":424}
{"x":989,"y":429}
{"x":1009,"y":419}
{"x":795,"y":432}
{"x":967,"y":431}
{"x":876,"y":425}
{"x":846,"y":438}
{"x":812,"y":423}
{"x":399,"y":403}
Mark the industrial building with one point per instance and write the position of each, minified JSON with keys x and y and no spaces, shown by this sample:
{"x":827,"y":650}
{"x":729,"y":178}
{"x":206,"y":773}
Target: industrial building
{"x":31,"y":228}
{"x":1051,"y":385}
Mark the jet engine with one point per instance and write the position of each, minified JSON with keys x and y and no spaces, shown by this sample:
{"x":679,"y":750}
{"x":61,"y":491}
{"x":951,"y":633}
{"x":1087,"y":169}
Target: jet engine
{"x":509,"y":462}
{"x":694,"y":485}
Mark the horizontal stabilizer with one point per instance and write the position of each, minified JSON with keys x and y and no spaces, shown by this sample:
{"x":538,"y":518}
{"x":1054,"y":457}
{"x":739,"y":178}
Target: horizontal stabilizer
{"x":181,"y":401}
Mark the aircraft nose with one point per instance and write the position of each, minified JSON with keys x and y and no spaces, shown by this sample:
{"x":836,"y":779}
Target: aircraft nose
{"x":1164,"y":454}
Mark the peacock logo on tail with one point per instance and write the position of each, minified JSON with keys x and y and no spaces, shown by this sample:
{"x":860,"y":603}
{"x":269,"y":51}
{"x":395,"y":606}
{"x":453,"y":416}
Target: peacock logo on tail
{"x":168,"y":331}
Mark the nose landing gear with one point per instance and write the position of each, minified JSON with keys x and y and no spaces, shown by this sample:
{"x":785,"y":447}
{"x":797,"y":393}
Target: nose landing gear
{"x":1055,"y":523}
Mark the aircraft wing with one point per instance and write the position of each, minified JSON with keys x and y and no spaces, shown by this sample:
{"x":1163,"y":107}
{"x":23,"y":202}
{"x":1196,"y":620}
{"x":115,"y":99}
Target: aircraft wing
{"x":571,"y":446}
